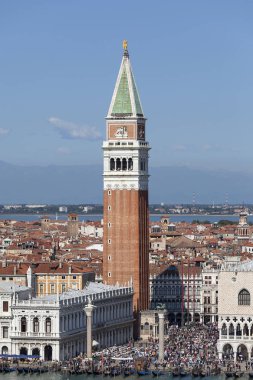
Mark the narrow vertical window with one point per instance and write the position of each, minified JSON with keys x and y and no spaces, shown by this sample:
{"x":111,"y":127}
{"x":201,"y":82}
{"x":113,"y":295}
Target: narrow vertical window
{"x":23,"y":324}
{"x":112,"y":164}
{"x":130,"y":164}
{"x":5,"y":306}
{"x":118,"y":164}
{"x":124,"y":164}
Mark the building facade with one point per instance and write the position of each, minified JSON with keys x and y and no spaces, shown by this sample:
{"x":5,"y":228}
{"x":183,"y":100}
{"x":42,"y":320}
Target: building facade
{"x":209,"y":295}
{"x":54,"y":327}
{"x":243,"y":229}
{"x":235,"y":311}
{"x":8,"y":293}
{"x":178,"y":288}
{"x":126,"y":235}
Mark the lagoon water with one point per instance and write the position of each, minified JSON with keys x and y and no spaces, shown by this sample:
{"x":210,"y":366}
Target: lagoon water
{"x":59,"y":376}
{"x":153,"y":218}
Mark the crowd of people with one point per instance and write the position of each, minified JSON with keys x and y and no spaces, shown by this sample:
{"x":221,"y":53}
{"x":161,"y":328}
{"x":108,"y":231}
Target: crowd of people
{"x":190,"y":348}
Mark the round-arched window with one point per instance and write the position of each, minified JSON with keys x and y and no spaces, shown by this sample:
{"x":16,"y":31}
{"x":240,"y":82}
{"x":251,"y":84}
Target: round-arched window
{"x":244,"y":297}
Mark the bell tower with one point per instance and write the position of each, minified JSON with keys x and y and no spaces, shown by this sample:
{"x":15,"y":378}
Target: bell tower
{"x":126,"y":237}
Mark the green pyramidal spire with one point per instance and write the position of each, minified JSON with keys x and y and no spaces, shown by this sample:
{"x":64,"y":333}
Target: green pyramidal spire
{"x":125,"y":100}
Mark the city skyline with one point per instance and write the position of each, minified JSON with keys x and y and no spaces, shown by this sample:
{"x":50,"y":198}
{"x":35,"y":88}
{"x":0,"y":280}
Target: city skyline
{"x":193,"y":64}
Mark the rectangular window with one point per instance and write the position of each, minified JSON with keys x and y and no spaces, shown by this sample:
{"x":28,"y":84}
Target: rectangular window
{"x":109,"y":192}
{"x":5,"y":332}
{"x":41,"y":288}
{"x":109,"y":208}
{"x":109,"y":241}
{"x":5,"y":306}
{"x":63,"y":277}
{"x":74,"y":277}
{"x":52,"y":287}
{"x":109,"y":274}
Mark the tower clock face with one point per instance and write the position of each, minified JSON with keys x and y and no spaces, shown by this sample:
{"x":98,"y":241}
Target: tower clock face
{"x":141,"y":132}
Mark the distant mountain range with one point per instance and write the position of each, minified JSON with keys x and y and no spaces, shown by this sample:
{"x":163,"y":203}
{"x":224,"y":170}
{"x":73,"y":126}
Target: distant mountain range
{"x":83,"y":184}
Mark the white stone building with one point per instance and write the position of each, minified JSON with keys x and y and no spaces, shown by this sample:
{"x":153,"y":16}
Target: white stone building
{"x":54,"y":327}
{"x":93,"y":229}
{"x":209,"y":295}
{"x":235,"y":310}
{"x":8,"y":292}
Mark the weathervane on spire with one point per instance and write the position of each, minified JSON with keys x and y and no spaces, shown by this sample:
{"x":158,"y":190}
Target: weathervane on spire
{"x":125,"y":48}
{"x":125,"y":44}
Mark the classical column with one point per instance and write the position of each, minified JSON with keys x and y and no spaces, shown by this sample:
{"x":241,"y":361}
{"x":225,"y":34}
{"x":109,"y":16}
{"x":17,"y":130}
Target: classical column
{"x":161,"y":335}
{"x":89,"y":310}
{"x":56,"y":352}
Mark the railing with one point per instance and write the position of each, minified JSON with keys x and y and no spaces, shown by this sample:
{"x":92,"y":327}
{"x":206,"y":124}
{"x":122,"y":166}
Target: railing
{"x":35,"y":302}
{"x":244,"y":337}
{"x":33,"y":334}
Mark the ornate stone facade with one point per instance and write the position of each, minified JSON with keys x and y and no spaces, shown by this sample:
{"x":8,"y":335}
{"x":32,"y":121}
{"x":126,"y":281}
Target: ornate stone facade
{"x":54,"y":327}
{"x":179,"y":289}
{"x":235,"y":308}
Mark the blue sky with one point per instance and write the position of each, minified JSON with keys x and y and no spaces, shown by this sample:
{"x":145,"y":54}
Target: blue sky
{"x":192,"y":62}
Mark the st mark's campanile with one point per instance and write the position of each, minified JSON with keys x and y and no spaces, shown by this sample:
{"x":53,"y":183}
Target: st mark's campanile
{"x":126,"y":237}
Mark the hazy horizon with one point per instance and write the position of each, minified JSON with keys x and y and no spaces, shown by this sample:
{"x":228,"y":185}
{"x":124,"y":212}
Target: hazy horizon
{"x":84,"y":184}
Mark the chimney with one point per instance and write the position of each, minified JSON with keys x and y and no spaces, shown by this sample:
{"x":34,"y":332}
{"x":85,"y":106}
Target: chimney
{"x":70,"y":269}
{"x":60,"y":264}
{"x":4,"y":263}
{"x":15,"y":270}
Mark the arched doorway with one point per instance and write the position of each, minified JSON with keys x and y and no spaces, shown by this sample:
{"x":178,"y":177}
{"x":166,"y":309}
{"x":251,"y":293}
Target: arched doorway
{"x":242,"y":352}
{"x":179,"y":315}
{"x":4,"y":350}
{"x":36,"y":351}
{"x":171,"y":318}
{"x":48,"y":353}
{"x":227,"y":351}
{"x":207,"y":319}
{"x":23,"y":351}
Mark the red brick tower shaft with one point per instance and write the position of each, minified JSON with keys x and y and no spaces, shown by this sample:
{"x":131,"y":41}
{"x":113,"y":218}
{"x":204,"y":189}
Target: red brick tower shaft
{"x":126,"y":237}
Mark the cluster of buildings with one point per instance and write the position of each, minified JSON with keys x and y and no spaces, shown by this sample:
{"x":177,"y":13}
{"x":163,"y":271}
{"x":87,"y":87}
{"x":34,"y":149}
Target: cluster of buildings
{"x":60,"y":278}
